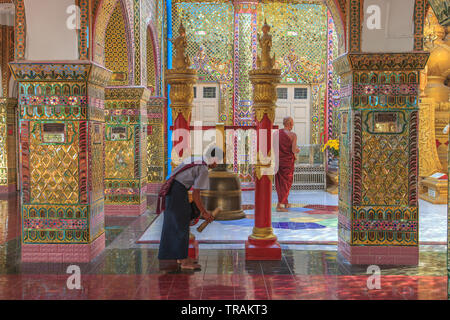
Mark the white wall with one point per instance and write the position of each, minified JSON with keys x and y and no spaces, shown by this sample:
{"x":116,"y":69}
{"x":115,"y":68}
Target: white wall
{"x":396,"y":29}
{"x":48,"y":34}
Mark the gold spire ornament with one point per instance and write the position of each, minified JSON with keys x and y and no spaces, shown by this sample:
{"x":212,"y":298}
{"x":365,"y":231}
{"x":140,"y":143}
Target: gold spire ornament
{"x":265,"y":62}
{"x":181,"y":61}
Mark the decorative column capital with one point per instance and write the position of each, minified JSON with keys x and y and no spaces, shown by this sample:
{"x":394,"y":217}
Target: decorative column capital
{"x":84,"y":71}
{"x":380,"y":61}
{"x":127,"y":93}
{"x":181,"y":91}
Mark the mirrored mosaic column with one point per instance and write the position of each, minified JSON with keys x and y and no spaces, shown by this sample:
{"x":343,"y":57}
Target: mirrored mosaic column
{"x":378,"y":170}
{"x":8,"y":151}
{"x":125,"y":150}
{"x":61,"y":109}
{"x":156,"y":143}
{"x":8,"y":107}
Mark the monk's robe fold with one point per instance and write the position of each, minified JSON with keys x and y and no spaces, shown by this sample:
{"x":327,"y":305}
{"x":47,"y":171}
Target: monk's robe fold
{"x":286,"y":162}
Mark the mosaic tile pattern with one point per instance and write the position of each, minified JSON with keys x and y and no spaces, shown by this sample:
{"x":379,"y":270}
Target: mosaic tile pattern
{"x":300,"y":61}
{"x":59,"y":183}
{"x":117,"y":55}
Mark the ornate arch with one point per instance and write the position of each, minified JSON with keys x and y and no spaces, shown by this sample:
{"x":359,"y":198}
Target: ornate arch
{"x":152,"y":40}
{"x":103,"y":15}
{"x":117,"y":54}
{"x":338,"y":12}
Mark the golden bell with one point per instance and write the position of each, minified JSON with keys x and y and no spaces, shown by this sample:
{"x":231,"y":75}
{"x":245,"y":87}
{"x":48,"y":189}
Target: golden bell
{"x":225,"y":193}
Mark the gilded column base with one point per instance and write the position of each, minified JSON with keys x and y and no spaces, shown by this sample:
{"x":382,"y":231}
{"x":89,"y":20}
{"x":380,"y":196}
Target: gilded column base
{"x":68,"y":253}
{"x":263,"y":234}
{"x":262,"y":249}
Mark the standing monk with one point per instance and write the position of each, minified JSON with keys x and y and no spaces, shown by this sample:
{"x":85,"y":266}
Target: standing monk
{"x":178,"y":212}
{"x":286,"y":159}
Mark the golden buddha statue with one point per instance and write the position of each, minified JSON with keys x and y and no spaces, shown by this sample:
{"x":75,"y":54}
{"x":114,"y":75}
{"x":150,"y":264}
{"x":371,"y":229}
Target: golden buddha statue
{"x":181,"y":61}
{"x":265,"y":62}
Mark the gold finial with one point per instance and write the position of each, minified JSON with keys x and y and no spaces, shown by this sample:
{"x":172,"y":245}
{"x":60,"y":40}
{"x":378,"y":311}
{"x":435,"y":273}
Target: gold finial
{"x":265,"y":61}
{"x":265,"y":27}
{"x":181,"y":61}
{"x":181,"y":29}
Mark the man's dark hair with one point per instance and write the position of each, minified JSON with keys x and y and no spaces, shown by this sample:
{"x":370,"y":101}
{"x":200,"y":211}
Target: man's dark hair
{"x":214,"y":152}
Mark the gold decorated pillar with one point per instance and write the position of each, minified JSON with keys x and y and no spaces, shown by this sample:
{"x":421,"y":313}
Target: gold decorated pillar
{"x":262,"y":243}
{"x":8,"y":106}
{"x":378,"y":169}
{"x":8,"y":148}
{"x":61,"y":119}
{"x":181,"y":80}
{"x":125,"y":150}
{"x":156,"y":143}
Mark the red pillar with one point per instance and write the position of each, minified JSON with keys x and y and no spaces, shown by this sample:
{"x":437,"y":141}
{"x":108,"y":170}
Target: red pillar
{"x":178,"y":138}
{"x":181,"y":131}
{"x":262,"y":243}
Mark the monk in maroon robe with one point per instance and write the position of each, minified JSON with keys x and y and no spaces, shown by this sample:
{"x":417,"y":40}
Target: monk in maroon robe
{"x":286,"y":159}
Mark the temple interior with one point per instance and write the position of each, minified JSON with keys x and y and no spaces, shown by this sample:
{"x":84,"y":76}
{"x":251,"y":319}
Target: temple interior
{"x":101,"y":99}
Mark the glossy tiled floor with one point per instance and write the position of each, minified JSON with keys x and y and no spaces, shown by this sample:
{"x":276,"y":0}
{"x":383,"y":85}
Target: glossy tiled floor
{"x":128,"y":270}
{"x":312,"y":219}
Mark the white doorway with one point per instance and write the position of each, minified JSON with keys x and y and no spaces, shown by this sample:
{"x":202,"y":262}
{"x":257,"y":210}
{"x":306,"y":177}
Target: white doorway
{"x":205,"y":109}
{"x":206,"y":104}
{"x":295,"y":101}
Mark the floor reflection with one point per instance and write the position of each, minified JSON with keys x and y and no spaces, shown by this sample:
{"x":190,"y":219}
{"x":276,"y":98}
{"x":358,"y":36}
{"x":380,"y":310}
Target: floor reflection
{"x":126,"y":270}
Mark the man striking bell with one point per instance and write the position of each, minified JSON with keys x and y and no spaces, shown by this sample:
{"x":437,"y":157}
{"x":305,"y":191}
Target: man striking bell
{"x":178,"y":212}
{"x":286,"y":162}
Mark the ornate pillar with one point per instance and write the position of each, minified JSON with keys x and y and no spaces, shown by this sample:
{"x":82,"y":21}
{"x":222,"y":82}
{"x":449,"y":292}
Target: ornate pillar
{"x":8,"y":106}
{"x":8,"y":148}
{"x":125,"y":155}
{"x":181,"y":80}
{"x":245,"y":47}
{"x":245,"y":22}
{"x":181,"y":97}
{"x":156,"y":144}
{"x":262,"y":243}
{"x":378,"y":196}
{"x":62,"y":159}
{"x":10,"y":229}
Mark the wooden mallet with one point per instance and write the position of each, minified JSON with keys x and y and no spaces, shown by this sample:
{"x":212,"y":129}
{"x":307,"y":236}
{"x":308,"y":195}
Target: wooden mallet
{"x":205,"y":223}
